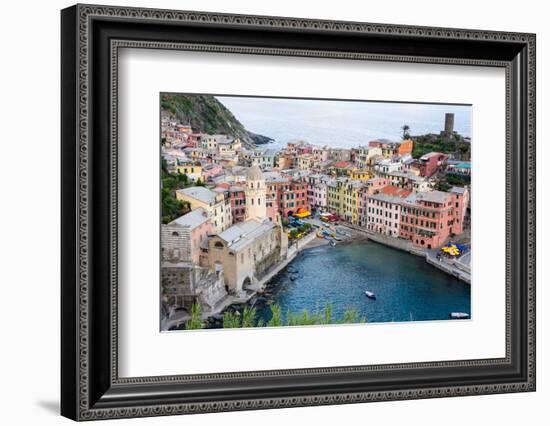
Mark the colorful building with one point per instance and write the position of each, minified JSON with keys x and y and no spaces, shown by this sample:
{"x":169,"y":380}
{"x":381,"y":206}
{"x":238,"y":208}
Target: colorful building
{"x":245,"y":252}
{"x":294,"y":198}
{"x":431,"y":163}
{"x":181,"y":239}
{"x":384,"y":210}
{"x":215,"y":203}
{"x":461,"y":200}
{"x":193,"y":170}
{"x":427,"y":218}
{"x":370,"y":187}
{"x":255,"y":194}
{"x":343,"y":198}
{"x":405,"y":147}
{"x":238,"y":203}
{"x":359,"y":174}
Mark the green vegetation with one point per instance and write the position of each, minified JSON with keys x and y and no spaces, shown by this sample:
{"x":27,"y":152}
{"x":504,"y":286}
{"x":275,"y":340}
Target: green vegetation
{"x":305,"y":227}
{"x":195,"y":322}
{"x":172,"y":208}
{"x":302,"y":229}
{"x":231,"y":320}
{"x":457,"y":180}
{"x":248,"y":318}
{"x":439,"y":143}
{"x":448,"y":181}
{"x":205,"y":114}
{"x":276,"y":316}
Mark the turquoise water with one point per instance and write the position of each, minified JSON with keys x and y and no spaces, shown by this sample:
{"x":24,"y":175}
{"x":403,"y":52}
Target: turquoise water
{"x":406,"y":287}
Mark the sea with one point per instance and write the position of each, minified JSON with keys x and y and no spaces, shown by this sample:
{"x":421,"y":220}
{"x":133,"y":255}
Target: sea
{"x":342,"y":124}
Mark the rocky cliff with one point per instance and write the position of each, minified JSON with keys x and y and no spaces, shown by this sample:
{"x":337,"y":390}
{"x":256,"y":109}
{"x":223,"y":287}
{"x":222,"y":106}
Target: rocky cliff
{"x":206,"y":114}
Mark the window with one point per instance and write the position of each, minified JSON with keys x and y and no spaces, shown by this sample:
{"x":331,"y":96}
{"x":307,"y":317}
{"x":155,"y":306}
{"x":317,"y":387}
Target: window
{"x":218,"y":244}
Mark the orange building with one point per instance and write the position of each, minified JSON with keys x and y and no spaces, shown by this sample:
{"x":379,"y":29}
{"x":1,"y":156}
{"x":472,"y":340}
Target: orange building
{"x":405,"y":147}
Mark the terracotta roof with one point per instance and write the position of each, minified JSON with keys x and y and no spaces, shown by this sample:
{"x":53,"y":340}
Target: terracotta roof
{"x":395,"y":191}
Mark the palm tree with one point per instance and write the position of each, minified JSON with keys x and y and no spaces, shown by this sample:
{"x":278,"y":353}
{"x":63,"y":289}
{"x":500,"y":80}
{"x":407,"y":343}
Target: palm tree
{"x":406,"y":128}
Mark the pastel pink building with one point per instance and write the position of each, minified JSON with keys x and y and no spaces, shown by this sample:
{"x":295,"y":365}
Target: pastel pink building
{"x":192,"y":229}
{"x":384,"y":210}
{"x":320,"y":154}
{"x":319,"y":196}
{"x":272,"y":208}
{"x":461,"y":200}
{"x":211,"y":171}
{"x":370,"y":187}
{"x":427,"y":218}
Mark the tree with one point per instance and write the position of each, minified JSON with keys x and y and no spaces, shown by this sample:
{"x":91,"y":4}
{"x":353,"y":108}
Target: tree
{"x":406,"y":128}
{"x":183,"y":180}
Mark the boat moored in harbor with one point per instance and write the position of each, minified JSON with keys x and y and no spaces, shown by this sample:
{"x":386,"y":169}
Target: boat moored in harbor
{"x":370,"y":294}
{"x":459,"y":315}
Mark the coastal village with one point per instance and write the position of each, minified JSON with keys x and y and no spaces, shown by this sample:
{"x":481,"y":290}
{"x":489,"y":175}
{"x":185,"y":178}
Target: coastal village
{"x":239,"y":214}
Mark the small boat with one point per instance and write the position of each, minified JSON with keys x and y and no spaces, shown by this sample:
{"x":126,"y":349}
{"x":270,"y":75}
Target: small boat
{"x":459,"y":315}
{"x":370,"y":294}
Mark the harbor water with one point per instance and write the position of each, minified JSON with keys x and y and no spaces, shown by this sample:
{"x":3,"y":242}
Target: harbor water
{"x":406,"y":287}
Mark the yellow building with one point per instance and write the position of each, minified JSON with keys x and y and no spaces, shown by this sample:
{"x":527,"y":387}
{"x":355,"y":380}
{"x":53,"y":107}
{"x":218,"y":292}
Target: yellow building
{"x":216,"y":204}
{"x":192,"y":170}
{"x":360,"y":174}
{"x":306,"y":162}
{"x":343,"y":198}
{"x":333,"y":197}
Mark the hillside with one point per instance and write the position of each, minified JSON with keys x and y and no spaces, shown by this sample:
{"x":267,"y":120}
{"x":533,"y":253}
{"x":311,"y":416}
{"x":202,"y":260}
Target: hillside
{"x":455,"y":145}
{"x":206,"y":114}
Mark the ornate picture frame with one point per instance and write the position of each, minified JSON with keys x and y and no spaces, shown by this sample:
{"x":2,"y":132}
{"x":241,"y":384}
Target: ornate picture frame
{"x":91,"y":37}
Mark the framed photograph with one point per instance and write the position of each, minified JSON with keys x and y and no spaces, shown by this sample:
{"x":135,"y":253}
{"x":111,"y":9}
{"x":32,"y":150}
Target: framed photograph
{"x":263,"y":212}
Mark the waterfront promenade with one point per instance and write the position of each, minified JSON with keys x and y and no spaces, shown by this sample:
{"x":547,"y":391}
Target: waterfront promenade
{"x":459,"y":268}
